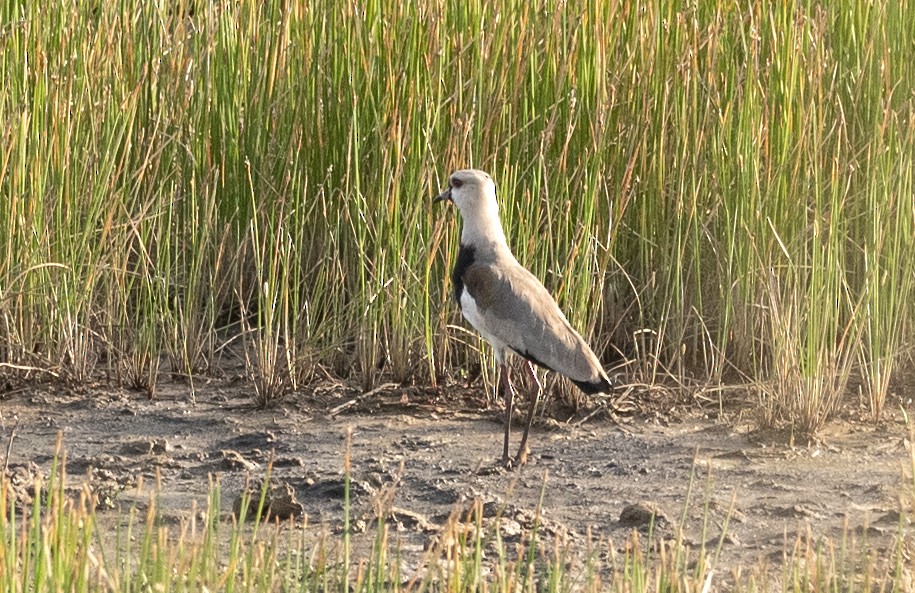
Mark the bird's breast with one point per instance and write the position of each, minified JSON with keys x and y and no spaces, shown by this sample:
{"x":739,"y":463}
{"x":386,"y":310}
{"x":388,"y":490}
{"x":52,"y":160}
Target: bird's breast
{"x":476,"y":317}
{"x":466,"y":257}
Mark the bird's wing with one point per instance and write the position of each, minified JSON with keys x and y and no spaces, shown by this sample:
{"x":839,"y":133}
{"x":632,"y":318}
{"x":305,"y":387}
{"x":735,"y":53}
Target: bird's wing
{"x":517,"y":309}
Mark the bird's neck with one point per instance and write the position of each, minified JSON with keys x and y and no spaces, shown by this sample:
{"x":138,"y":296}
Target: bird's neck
{"x":484,"y":231}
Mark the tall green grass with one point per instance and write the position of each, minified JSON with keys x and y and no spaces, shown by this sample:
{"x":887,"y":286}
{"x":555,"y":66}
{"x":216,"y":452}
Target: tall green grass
{"x":722,"y":189}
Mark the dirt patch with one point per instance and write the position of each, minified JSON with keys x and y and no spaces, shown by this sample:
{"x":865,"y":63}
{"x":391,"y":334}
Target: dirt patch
{"x":425,"y":455}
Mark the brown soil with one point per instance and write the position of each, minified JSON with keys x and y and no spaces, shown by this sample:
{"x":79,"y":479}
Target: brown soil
{"x":601,"y":476}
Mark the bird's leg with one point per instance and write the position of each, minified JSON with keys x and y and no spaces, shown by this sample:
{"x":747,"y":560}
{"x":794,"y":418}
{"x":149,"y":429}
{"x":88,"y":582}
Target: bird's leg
{"x":509,"y":394}
{"x":533,"y":372}
{"x":522,"y":450}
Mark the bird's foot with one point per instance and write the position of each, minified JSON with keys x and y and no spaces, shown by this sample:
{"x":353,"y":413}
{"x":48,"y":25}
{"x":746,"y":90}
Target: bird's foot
{"x":508,"y":463}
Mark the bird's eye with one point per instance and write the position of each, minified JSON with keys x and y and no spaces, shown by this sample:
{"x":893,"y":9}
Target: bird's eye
{"x":456,"y":183}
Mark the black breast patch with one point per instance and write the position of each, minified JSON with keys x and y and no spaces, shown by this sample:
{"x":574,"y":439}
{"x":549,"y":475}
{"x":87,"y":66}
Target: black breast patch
{"x":465,"y":258}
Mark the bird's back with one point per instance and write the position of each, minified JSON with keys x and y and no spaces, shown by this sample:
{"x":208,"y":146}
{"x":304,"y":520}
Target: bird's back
{"x":513,"y":309}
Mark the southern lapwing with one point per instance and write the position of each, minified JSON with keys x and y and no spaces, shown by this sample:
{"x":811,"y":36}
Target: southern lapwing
{"x":508,"y":306}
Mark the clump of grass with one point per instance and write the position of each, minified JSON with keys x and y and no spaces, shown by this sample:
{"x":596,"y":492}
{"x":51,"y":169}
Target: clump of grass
{"x":60,"y":543}
{"x":176,"y":178}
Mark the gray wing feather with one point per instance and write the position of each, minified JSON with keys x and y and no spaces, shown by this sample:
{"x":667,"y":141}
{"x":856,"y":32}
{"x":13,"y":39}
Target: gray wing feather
{"x":518,"y":310}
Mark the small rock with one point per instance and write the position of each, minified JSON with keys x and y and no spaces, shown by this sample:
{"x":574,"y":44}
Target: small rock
{"x":159,"y":446}
{"x":493,"y":508}
{"x":893,"y":517}
{"x":288,"y":462}
{"x":642,"y":514}
{"x":871,"y":531}
{"x":375,"y":479}
{"x":510,"y":529}
{"x":233,"y":460}
{"x":729,"y":538}
{"x":335,"y":488}
{"x":146,"y":447}
{"x":280,"y":502}
{"x":21,"y":480}
{"x":413,"y":520}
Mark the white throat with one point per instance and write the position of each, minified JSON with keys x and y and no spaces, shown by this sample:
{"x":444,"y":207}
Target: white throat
{"x":482,"y":227}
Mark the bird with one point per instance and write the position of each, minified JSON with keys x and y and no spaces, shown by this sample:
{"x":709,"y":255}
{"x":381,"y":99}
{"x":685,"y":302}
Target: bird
{"x":509,"y":306}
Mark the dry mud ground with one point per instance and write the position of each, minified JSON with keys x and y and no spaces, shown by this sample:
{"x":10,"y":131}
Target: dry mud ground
{"x":850,"y":478}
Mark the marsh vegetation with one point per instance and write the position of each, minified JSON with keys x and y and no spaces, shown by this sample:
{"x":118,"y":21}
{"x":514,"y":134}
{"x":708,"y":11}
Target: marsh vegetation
{"x":719,"y":194}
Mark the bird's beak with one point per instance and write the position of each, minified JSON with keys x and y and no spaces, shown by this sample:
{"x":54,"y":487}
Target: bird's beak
{"x":445,"y":195}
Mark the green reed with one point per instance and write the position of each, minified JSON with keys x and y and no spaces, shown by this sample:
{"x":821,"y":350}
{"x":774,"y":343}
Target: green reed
{"x":719,"y":190}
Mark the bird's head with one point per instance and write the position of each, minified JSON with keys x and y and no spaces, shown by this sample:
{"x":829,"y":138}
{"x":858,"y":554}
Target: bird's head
{"x":471,"y":190}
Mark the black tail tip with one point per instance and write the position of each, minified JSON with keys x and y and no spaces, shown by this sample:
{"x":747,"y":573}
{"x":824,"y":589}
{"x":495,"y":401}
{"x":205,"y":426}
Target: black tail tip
{"x":593,"y":387}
